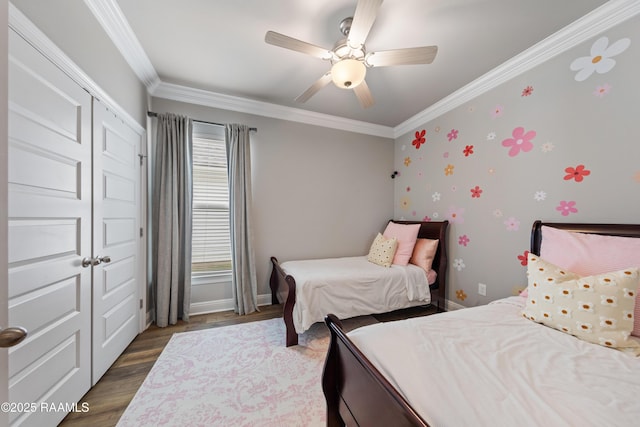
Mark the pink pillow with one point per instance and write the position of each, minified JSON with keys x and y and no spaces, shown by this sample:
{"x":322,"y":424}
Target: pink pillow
{"x":406,"y":235}
{"x":423,"y":253}
{"x":591,"y":254}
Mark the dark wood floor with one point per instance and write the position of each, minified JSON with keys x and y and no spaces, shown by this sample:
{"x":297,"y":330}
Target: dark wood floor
{"x":110,"y":396}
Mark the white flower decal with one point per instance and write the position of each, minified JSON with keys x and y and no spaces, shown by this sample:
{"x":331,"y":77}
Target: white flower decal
{"x":435,"y":196}
{"x":458,"y":264}
{"x":539,"y":196}
{"x":600,"y":59}
{"x":547,"y":146}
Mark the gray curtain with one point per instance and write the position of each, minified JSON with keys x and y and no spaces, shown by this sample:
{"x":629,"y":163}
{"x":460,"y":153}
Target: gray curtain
{"x":171,"y":222}
{"x":244,"y":282}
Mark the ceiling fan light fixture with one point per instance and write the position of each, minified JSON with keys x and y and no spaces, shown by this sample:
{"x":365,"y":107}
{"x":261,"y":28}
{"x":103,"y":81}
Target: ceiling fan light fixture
{"x":348,"y":73}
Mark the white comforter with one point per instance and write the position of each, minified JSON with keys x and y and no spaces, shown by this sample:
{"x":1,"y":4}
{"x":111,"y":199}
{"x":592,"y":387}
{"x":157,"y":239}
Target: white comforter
{"x":489,"y":366}
{"x":352,"y":286}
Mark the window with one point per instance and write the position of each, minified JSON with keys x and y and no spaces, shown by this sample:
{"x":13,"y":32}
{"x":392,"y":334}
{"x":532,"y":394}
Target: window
{"x":211,"y":242}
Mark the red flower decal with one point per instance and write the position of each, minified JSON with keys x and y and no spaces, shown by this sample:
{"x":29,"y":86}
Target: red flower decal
{"x":476,"y":192}
{"x":468,"y":150}
{"x":524,"y":258}
{"x":578,"y":173}
{"x":420,"y":138}
{"x":527,"y":91}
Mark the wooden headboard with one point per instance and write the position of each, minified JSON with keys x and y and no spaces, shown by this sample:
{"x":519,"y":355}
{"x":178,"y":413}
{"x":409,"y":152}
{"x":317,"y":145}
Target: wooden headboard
{"x":436,"y":230}
{"x":622,"y":230}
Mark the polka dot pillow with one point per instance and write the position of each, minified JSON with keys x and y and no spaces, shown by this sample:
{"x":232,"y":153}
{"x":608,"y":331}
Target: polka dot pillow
{"x":382,"y":250}
{"x":597,"y":309}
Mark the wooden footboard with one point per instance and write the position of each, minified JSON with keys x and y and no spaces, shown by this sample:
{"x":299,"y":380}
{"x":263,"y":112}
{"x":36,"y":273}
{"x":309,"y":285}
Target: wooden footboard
{"x":356,"y":392}
{"x":278,"y":277}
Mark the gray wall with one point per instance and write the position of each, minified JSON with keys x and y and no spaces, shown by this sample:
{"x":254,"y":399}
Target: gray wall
{"x":72,"y":27}
{"x":573,"y":127}
{"x":317,"y":192}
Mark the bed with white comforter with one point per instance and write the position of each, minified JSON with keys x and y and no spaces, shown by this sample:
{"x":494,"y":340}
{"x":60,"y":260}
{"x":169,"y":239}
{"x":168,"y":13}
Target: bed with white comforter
{"x":353,"y":286}
{"x":490,"y":366}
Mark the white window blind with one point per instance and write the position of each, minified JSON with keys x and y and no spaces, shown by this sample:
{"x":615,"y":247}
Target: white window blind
{"x":211,"y":243}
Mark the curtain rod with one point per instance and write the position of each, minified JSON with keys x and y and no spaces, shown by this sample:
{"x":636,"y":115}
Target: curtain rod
{"x":153,"y":114}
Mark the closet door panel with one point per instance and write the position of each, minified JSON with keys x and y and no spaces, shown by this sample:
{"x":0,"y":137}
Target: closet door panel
{"x":116,"y":236}
{"x":49,"y":234}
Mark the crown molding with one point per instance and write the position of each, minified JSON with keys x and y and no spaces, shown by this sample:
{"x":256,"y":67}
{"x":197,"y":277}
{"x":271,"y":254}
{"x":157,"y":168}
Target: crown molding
{"x":19,"y":23}
{"x":114,"y":23}
{"x":243,"y":105}
{"x":606,"y":16}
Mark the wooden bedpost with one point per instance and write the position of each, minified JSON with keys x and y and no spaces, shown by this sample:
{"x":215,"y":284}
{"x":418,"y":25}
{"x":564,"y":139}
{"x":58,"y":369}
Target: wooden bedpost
{"x":278,"y":276}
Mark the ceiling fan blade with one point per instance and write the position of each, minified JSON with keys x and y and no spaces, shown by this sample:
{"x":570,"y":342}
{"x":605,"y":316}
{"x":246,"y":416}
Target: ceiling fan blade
{"x":287,"y":42}
{"x":364,"y":95}
{"x":319,"y":84}
{"x":363,"y":19}
{"x":412,"y":55}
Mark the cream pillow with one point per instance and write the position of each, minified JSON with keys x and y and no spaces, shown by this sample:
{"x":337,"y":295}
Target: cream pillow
{"x":598,"y":309}
{"x":382,"y":250}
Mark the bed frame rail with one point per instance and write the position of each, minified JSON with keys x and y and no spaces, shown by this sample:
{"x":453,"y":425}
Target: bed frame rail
{"x":356,"y":392}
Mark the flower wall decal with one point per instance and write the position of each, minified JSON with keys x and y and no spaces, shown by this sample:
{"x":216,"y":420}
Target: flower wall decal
{"x":585,"y":161}
{"x":420,"y":138}
{"x":455,"y":215}
{"x":602,"y":90}
{"x":578,"y":173}
{"x":524,"y":258}
{"x":520,"y":141}
{"x":567,"y":207}
{"x":600,"y":60}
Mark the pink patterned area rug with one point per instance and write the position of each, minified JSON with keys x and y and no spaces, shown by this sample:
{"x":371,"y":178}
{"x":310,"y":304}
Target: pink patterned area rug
{"x":239,"y":375}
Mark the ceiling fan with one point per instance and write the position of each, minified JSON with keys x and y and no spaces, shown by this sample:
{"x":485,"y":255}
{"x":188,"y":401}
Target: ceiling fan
{"x":349,"y":57}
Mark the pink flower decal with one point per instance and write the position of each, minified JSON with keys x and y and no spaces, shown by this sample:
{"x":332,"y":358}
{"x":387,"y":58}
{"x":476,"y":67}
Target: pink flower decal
{"x":521,"y":141}
{"x":524,"y":258}
{"x":455,"y":215}
{"x":420,"y":138}
{"x":468,"y":150}
{"x":476,"y":192}
{"x":426,"y":218}
{"x":567,"y":208}
{"x":497,"y":111}
{"x":512,"y":224}
{"x":527,"y":91}
{"x":452,"y":135}
{"x":463,"y":240}
{"x":578,"y":173}
{"x":603,"y":90}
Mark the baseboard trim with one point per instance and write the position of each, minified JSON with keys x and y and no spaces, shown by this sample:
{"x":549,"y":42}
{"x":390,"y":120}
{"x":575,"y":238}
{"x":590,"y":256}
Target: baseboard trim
{"x":452,"y":306}
{"x":207,"y":307}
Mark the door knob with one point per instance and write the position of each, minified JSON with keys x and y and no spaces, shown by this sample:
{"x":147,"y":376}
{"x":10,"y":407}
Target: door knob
{"x":88,"y":262}
{"x":12,"y":336}
{"x":106,"y":259}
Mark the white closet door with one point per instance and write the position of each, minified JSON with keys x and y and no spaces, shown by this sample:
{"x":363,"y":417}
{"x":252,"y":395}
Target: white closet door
{"x":49,"y":234}
{"x":116,"y":238}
